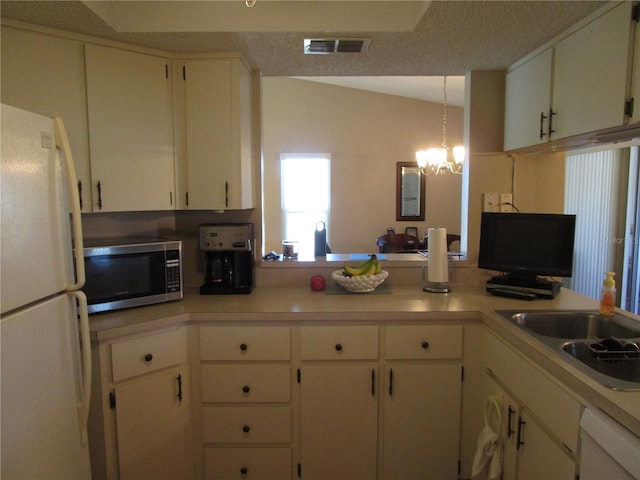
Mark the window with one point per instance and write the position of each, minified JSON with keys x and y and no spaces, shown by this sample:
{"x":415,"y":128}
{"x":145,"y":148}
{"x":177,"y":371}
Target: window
{"x":601,"y":188}
{"x":305,"y":198}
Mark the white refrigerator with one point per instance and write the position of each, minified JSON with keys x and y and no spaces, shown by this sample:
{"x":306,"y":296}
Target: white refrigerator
{"x":45,"y":362}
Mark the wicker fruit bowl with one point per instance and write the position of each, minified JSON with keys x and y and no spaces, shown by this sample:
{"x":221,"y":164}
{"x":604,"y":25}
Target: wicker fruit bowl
{"x":359,"y":283}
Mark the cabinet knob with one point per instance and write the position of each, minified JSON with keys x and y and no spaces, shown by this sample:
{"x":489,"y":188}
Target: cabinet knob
{"x":425,"y":344}
{"x":246,"y":389}
{"x":246,"y":428}
{"x":338,"y":347}
{"x":148,"y":357}
{"x":243,"y":347}
{"x":244,"y":470}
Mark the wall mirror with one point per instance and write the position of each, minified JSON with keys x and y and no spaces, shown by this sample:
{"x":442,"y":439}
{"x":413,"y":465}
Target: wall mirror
{"x":410,"y":192}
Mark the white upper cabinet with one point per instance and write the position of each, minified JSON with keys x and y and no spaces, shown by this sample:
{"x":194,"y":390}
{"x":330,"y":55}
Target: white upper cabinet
{"x":130,"y":130}
{"x":528,"y":97}
{"x":45,"y":74}
{"x":217,"y":125}
{"x":635,"y":78}
{"x":576,"y":86}
{"x":590,"y":75}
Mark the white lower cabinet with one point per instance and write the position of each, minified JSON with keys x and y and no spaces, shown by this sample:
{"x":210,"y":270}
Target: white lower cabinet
{"x":356,"y":425}
{"x":153,"y":424}
{"x":331,"y":401}
{"x":140,"y":423}
{"x":421,"y":421}
{"x":339,"y":422}
{"x":540,"y":420}
{"x":422,"y":402}
{"x":244,"y":463}
{"x":246,"y":402}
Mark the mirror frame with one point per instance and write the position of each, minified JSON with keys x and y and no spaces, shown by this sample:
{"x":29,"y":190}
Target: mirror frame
{"x":400,"y":166}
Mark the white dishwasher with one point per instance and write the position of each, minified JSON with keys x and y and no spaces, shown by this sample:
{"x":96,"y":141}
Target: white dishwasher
{"x":608,"y":451}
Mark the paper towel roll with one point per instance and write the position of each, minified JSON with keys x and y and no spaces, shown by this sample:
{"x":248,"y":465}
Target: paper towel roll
{"x":438,"y":259}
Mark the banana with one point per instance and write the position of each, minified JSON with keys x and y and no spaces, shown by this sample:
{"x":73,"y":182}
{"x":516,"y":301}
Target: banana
{"x":370,"y":267}
{"x":371,"y":270}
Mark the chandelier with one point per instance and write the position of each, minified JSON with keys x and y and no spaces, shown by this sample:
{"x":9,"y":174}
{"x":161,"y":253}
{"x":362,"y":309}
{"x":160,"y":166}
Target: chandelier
{"x":438,"y":161}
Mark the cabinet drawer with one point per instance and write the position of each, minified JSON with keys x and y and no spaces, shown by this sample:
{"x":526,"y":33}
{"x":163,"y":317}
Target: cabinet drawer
{"x":230,"y":424}
{"x":339,"y":343}
{"x":245,"y":343}
{"x":246,"y":383}
{"x":247,"y":463}
{"x":145,"y":354}
{"x":423,"y":341}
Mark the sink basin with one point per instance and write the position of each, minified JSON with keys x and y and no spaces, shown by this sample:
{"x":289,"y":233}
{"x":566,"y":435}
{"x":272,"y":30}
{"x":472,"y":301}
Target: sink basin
{"x":623,"y":364}
{"x":574,"y":325}
{"x":606,"y":349}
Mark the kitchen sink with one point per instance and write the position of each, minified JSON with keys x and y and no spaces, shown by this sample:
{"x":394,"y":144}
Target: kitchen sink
{"x":574,"y":325}
{"x":605,"y":348}
{"x":621,"y":361}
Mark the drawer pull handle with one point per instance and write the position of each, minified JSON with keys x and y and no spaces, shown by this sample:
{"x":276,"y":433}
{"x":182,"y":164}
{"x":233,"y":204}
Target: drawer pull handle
{"x":244,"y":347}
{"x":246,"y":428}
{"x":246,"y":389}
{"x":244,"y":471}
{"x":148,"y":357}
{"x":391,"y":382}
{"x":179,"y":379}
{"x":425,"y":344}
{"x":338,"y":347}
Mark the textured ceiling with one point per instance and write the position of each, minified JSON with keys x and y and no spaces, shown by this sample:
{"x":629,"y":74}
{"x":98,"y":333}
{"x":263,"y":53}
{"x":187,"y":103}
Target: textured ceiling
{"x":450,"y":38}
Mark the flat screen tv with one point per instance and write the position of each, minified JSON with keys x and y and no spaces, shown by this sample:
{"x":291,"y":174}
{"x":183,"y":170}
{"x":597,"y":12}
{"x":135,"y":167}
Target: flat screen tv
{"x":525,"y":245}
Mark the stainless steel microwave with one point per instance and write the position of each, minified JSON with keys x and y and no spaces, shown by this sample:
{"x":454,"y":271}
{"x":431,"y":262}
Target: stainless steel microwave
{"x":132,"y":273}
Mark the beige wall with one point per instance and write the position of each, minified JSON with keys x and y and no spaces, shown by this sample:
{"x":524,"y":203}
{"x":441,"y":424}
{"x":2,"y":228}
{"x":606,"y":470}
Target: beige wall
{"x":366,"y":134}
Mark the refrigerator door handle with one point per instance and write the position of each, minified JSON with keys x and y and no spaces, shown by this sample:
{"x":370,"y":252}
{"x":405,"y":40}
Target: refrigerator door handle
{"x":62,"y":142}
{"x":85,"y":349}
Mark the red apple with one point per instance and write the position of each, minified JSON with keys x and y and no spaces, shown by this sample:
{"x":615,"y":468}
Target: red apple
{"x":317,"y":283}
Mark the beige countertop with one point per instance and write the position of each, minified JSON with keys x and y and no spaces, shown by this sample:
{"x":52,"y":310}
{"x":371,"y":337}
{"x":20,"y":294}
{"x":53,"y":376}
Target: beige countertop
{"x":299,"y":304}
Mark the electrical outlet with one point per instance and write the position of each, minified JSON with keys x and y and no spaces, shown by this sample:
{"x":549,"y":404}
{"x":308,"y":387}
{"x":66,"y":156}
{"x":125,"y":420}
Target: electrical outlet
{"x":490,"y":202}
{"x":506,"y":201}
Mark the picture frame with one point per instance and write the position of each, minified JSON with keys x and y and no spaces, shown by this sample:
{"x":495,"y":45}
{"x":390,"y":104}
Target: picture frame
{"x":410,"y":192}
{"x":411,"y":231}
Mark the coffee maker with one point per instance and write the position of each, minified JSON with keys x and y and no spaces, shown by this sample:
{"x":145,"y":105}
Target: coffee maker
{"x":229,"y":266}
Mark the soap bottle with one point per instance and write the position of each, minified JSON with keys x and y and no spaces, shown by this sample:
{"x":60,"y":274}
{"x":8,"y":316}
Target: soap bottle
{"x":608,"y":300}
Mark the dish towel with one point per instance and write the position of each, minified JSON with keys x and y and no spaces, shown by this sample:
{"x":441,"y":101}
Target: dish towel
{"x":487,"y":462}
{"x":488,"y":458}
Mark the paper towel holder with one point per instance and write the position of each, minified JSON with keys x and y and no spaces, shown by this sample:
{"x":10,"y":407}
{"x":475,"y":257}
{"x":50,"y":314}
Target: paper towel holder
{"x":436,"y":287}
{"x":437,"y":281}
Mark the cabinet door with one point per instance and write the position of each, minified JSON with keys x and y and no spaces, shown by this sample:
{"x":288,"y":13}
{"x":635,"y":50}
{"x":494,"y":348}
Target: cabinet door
{"x":537,"y":455}
{"x":509,"y":437}
{"x":590,"y":75}
{"x":527,"y":102}
{"x":218,"y":134}
{"x":153,"y":425}
{"x":635,"y":77}
{"x":45,"y":74}
{"x":339,"y":422}
{"x":421,"y":421}
{"x":130,"y":129}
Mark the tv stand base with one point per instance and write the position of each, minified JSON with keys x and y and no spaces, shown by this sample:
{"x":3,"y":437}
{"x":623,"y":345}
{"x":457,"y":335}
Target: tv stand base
{"x":503,"y":285}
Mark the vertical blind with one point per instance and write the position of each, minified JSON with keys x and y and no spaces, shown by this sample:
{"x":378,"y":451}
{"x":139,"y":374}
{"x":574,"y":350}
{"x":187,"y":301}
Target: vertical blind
{"x":593,"y":185}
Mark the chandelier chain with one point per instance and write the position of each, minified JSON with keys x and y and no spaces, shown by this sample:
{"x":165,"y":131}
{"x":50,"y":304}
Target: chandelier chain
{"x":444,"y":116}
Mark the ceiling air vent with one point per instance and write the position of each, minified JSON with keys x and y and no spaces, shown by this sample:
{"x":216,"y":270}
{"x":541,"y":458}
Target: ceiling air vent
{"x":323,"y":46}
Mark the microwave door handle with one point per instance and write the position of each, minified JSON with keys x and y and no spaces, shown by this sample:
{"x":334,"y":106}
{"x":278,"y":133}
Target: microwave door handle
{"x":62,"y":142}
